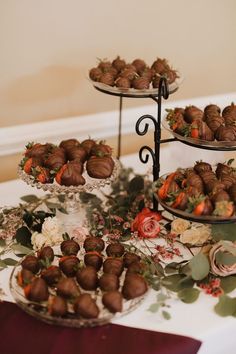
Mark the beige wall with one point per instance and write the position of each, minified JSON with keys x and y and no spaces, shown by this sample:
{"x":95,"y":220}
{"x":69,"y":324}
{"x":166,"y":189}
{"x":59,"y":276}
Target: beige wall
{"x":48,"y":46}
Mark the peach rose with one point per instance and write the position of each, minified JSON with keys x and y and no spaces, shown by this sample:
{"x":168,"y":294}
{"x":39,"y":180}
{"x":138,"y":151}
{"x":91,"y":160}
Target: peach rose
{"x":228,"y":248}
{"x":146,"y":223}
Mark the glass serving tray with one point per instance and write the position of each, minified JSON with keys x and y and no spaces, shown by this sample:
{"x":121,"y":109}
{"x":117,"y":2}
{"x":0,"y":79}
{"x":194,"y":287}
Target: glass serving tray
{"x":209,"y":219}
{"x":39,"y":310}
{"x":89,"y":186}
{"x":131,"y":92}
{"x":210,"y":145}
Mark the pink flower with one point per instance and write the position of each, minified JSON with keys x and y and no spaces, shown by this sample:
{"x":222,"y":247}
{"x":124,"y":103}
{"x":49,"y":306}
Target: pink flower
{"x":79,"y":234}
{"x":146,"y":223}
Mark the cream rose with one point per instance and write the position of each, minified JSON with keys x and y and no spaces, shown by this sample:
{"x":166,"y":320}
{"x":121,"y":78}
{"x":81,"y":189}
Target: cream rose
{"x":196,"y":235}
{"x":227,"y":247}
{"x":52,"y":228}
{"x":178,"y":226}
{"x":38,"y":240}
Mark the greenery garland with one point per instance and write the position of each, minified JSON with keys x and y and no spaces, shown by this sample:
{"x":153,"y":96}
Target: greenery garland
{"x":112,"y":214}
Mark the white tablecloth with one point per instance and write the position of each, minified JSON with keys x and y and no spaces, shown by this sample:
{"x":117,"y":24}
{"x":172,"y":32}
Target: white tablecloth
{"x":196,"y":320}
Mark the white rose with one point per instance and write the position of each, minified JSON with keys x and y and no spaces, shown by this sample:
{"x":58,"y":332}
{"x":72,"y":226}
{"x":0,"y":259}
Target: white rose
{"x":178,"y":226}
{"x":52,"y":228}
{"x":38,"y":240}
{"x":196,"y":235}
{"x":55,"y":239}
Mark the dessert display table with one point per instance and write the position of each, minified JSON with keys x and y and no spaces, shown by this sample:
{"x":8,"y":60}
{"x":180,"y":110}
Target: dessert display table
{"x":197,"y":320}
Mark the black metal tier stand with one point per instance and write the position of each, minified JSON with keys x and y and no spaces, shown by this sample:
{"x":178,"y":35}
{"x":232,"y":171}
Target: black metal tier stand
{"x":163,"y":92}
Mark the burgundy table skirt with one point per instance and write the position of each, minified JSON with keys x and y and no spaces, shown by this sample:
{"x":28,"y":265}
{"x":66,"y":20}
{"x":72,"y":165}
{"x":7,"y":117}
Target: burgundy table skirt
{"x":22,"y":334}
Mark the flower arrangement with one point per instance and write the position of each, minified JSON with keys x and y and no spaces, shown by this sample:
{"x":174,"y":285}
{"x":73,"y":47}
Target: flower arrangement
{"x":181,"y":258}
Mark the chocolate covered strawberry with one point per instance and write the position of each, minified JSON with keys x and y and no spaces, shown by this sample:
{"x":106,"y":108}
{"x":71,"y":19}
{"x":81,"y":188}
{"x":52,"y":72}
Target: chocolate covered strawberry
{"x":100,"y":167}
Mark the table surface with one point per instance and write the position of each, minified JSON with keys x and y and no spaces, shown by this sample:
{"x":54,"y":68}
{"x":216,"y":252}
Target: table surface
{"x":196,"y":320}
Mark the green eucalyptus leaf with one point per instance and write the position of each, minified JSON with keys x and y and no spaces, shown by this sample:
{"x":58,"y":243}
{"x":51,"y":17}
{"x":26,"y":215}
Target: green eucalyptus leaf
{"x":228,"y":283}
{"x":2,"y":243}
{"x":171,"y":268}
{"x":136,"y":184}
{"x":166,"y":315}
{"x":162,"y":297}
{"x":52,"y":205}
{"x":199,"y":266}
{"x":23,"y":236}
{"x":172,"y":282}
{"x":188,"y":295}
{"x":21,"y":249}
{"x":224,"y":232}
{"x":61,"y":198}
{"x":2,"y":264}
{"x":30,"y":198}
{"x":63,"y":210}
{"x":154,"y":308}
{"x":226,"y":306}
{"x":9,"y":261}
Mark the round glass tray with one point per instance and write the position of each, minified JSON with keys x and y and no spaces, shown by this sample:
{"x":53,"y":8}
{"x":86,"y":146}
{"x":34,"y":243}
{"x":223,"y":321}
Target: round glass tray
{"x":131,"y":92}
{"x":89,"y":186}
{"x":209,"y":219}
{"x":203,"y":144}
{"x":39,"y":310}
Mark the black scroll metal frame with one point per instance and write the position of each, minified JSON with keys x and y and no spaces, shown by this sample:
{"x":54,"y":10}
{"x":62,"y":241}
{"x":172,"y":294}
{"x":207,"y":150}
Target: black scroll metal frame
{"x":128,"y":94}
{"x":145,"y":151}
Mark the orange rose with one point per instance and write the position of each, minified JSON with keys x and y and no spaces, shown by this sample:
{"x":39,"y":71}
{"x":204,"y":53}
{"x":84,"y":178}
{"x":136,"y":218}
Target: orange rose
{"x":146,"y":223}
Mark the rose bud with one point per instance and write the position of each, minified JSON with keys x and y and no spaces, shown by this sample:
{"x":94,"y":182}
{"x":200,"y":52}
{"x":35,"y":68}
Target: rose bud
{"x":218,"y":268}
{"x":85,"y":306}
{"x":31,"y":263}
{"x":109,"y":282}
{"x":69,"y":247}
{"x":46,"y":253}
{"x":93,"y":243}
{"x":134,"y":286}
{"x":24,"y":277}
{"x":137,"y":268}
{"x":68,"y":144}
{"x":87,"y":278}
{"x":38,"y":290}
{"x":115,"y":249}
{"x":113,"y":301}
{"x":68,"y":288}
{"x":113,"y":266}
{"x":129,"y":258}
{"x":93,"y":259}
{"x":51,"y":275}
{"x":57,"y":306}
{"x":69,"y":265}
